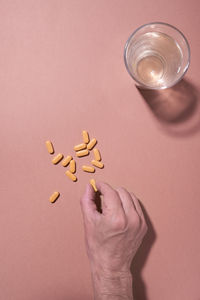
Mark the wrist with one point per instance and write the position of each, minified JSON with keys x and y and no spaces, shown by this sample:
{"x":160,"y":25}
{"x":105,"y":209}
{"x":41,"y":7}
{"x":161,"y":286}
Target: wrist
{"x":110,"y":274}
{"x":112,"y":285}
{"x":109,"y":270}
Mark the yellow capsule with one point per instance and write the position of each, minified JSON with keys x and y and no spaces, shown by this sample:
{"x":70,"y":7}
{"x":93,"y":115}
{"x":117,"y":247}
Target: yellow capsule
{"x":80,"y":147}
{"x":66,"y":160}
{"x":93,"y":184}
{"x":88,"y":169}
{"x":91,"y":144}
{"x":82,"y":153}
{"x":72,"y":166}
{"x":49,"y":146}
{"x":71,"y":176}
{"x":97,"y":164}
{"x":57,"y":158}
{"x":86,"y":138}
{"x":97,"y":154}
{"x":54,"y":197}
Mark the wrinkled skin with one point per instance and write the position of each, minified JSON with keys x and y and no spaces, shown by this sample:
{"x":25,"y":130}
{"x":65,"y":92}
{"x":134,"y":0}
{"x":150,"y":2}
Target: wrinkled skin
{"x":113,"y":236}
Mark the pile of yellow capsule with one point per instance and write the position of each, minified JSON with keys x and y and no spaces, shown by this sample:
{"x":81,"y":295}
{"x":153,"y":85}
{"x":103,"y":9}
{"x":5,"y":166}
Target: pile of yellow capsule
{"x":81,"y":150}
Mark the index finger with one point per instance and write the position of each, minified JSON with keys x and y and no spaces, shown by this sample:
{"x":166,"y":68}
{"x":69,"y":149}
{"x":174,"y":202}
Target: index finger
{"x":87,"y":201}
{"x":111,"y":199}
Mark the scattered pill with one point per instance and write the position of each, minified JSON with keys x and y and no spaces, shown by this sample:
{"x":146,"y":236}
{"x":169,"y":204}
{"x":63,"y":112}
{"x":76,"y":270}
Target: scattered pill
{"x":81,"y":150}
{"x":72,"y":166}
{"x":91,"y":144}
{"x":82,"y":153}
{"x":97,"y":154}
{"x":85,"y":137}
{"x":57,"y":158}
{"x":88,"y":169}
{"x":93,"y":184}
{"x":54,"y":197}
{"x":80,"y":147}
{"x":71,"y":176}
{"x":49,"y":146}
{"x":97,"y":164}
{"x":66,"y":160}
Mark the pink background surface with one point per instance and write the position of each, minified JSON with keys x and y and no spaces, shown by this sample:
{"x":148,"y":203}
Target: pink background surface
{"x":61,"y":71}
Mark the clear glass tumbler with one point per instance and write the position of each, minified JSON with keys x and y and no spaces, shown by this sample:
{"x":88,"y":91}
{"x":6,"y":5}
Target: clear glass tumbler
{"x":157,"y":55}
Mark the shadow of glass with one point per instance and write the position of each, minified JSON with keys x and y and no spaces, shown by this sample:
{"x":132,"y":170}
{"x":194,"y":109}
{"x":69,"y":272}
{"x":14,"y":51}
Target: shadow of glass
{"x":176,"y":108}
{"x":139,"y":287}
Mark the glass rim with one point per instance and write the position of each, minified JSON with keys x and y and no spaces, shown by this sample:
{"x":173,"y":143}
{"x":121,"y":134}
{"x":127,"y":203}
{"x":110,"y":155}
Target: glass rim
{"x":167,"y":25}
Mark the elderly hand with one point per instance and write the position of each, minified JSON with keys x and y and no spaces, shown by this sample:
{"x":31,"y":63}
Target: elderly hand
{"x":112,"y":238}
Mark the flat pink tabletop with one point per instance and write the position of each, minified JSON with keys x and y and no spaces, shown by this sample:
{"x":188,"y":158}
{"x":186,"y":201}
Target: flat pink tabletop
{"x":62,"y":71}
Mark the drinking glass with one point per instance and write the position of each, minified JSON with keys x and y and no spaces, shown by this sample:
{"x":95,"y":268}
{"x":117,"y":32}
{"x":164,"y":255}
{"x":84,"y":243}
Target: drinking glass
{"x":157,"y":55}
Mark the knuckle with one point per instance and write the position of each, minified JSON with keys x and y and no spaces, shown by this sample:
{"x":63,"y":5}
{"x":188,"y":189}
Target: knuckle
{"x":145,"y":227}
{"x":120,"y":223}
{"x":115,"y":193}
{"x":120,"y":189}
{"x":136,"y":221}
{"x":138,"y":224}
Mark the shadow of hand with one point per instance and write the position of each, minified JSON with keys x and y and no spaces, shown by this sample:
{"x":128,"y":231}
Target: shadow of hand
{"x":139,"y":288}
